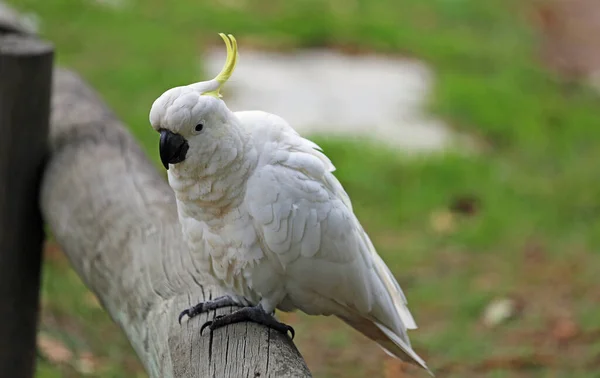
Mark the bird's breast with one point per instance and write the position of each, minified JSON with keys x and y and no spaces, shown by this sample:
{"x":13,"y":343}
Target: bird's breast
{"x":225,"y":250}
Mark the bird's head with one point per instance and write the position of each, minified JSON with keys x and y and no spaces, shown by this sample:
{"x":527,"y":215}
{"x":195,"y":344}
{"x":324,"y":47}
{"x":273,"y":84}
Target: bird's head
{"x":192,"y":120}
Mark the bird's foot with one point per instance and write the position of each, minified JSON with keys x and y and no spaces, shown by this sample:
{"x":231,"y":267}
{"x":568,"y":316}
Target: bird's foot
{"x":254,"y":314}
{"x":220,"y":302}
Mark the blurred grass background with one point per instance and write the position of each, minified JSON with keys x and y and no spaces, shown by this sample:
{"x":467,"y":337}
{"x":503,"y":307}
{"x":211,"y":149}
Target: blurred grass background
{"x":519,"y":219}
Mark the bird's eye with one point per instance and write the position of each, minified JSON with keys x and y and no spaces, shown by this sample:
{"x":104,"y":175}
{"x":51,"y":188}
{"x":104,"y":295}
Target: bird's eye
{"x":199,"y":127}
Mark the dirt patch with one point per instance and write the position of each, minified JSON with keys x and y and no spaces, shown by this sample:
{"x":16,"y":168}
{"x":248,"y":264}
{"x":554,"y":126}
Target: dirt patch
{"x":569,"y":36}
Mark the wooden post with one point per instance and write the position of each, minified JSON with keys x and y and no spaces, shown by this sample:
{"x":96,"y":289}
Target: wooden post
{"x":25,"y":83}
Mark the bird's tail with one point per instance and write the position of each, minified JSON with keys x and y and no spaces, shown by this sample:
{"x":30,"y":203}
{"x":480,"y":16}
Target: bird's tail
{"x":388,"y":340}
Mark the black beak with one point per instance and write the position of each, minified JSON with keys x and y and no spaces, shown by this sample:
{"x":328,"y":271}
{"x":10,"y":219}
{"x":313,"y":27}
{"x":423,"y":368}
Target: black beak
{"x":173,"y":148}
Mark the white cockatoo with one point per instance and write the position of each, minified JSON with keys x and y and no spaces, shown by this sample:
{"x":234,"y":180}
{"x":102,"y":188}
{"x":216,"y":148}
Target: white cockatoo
{"x":264,"y":215}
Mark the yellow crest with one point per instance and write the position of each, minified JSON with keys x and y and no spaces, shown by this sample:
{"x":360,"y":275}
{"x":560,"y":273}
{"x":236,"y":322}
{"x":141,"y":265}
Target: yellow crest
{"x":225,"y":74}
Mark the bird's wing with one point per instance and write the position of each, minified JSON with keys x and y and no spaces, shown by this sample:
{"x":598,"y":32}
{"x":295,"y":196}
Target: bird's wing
{"x":304,"y":219}
{"x":309,"y":233}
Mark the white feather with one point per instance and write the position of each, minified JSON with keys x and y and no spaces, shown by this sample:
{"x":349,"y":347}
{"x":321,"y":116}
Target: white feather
{"x":406,"y":348}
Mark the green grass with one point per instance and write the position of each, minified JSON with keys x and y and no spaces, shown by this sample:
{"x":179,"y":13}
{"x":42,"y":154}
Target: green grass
{"x":536,"y":180}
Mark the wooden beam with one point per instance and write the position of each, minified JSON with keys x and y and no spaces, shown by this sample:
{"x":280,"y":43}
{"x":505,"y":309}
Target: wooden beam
{"x":25,"y":83}
{"x":12,"y":22}
{"x":116,"y":219}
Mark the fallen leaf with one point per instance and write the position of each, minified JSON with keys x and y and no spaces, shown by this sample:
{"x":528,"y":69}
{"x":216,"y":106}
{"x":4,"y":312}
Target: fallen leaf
{"x":499,"y":311}
{"x":442,"y":222}
{"x":52,"y":252}
{"x":564,"y":330}
{"x":53,"y":350}
{"x":393,"y":368}
{"x":87,"y":363}
{"x":466,"y":205}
